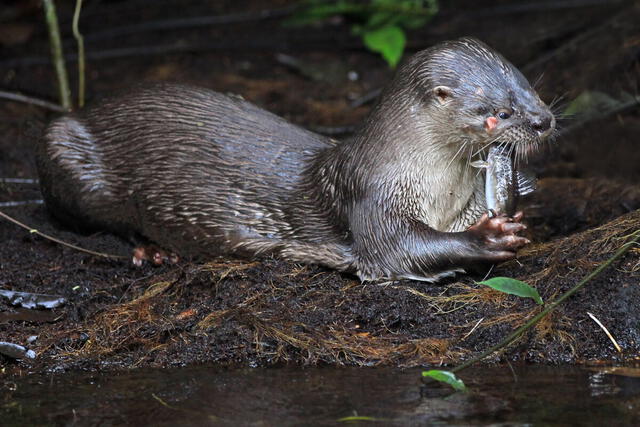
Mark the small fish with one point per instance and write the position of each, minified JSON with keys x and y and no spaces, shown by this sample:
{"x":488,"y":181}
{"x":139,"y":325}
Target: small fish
{"x":503,"y":183}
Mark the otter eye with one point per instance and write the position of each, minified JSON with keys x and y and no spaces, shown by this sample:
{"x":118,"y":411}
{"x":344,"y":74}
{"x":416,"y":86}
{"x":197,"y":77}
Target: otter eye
{"x":503,"y":115}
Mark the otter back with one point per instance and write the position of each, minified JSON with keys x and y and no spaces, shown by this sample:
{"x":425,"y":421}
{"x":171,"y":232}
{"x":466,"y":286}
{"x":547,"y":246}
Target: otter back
{"x":191,"y":169}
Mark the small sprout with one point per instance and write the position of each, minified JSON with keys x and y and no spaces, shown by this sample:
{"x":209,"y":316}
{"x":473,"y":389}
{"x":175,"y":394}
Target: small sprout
{"x":356,"y":418}
{"x":513,"y":287}
{"x":606,"y":331}
{"x":445,"y":377}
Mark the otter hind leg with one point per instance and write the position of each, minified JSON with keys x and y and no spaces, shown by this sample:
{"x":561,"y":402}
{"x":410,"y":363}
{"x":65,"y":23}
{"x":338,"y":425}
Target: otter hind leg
{"x":332,"y":255}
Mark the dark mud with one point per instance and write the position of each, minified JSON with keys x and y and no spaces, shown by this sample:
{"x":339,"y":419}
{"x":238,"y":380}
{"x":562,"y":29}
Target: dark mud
{"x":266,"y":312}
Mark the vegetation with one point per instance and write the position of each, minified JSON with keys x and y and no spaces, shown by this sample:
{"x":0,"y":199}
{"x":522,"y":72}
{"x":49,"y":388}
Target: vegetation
{"x":56,"y":53}
{"x":380,"y":23}
{"x":512,"y":286}
{"x":446,"y":377}
{"x":508,"y":285}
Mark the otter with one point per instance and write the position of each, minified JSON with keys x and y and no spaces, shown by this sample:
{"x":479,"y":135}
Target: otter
{"x":203,"y":174}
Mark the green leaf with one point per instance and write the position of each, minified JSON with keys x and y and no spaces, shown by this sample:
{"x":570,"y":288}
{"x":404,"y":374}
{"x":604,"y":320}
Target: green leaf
{"x":445,"y":377}
{"x":513,"y":287}
{"x":389,"y":41}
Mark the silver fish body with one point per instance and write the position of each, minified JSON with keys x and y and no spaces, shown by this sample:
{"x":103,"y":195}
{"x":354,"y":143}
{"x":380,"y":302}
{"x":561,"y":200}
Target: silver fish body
{"x":503,"y":183}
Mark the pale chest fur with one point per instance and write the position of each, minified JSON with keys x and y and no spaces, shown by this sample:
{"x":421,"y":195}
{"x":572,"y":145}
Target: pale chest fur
{"x":445,"y":198}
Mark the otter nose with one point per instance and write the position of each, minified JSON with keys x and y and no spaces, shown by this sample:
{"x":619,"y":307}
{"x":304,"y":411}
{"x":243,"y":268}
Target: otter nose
{"x":543,"y":123}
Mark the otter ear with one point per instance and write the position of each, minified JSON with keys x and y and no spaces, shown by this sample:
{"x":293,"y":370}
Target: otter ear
{"x":442,"y":93}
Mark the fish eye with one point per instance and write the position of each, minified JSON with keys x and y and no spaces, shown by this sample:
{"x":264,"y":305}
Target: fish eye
{"x":503,"y":115}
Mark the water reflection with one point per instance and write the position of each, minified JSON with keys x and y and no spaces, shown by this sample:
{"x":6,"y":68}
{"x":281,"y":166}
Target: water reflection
{"x":322,"y":396}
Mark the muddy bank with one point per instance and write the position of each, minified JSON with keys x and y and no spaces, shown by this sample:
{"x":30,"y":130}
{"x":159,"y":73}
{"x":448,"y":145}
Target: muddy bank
{"x":268,"y":311}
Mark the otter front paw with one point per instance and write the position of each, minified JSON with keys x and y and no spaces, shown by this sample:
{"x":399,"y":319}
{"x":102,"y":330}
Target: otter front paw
{"x":497,"y":236}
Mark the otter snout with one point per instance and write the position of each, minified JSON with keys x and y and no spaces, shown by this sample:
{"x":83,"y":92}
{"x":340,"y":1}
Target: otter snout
{"x":543,"y":123}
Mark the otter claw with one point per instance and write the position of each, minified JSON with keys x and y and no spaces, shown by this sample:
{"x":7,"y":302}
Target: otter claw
{"x":512,"y":227}
{"x":498,"y":235}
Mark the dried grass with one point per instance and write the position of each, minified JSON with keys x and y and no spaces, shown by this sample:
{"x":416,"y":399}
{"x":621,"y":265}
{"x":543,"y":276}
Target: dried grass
{"x":280,"y":315}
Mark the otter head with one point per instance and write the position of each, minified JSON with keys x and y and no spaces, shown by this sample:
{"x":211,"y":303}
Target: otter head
{"x":480,"y":95}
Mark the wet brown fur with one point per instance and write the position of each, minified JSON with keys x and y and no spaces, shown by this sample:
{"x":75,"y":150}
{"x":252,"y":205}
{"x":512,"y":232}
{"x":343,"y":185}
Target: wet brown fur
{"x":206,"y":174}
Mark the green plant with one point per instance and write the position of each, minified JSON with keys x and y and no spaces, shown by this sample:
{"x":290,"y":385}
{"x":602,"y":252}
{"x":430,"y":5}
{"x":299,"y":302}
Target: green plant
{"x":380,"y":23}
{"x":513,"y":287}
{"x":57,"y":55}
{"x":446,"y":377}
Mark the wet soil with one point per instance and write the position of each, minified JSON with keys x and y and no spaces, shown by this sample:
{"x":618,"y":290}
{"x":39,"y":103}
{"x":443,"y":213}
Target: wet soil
{"x":266,"y":312}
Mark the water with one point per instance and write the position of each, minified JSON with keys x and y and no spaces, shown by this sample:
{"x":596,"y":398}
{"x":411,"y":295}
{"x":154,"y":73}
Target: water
{"x":321,"y":396}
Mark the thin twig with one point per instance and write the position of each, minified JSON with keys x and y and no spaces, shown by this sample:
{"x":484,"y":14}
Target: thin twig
{"x":61,"y":242}
{"x":634,"y":238}
{"x":578,"y":40}
{"x":12,"y":96}
{"x":56,"y":53}
{"x":537,"y":6}
{"x":606,"y":331}
{"x":195,"y":22}
{"x":581,"y":121}
{"x":13,"y":204}
{"x":80,"y":41}
{"x":255,"y":44}
{"x":366,"y":98}
{"x":19,"y":181}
